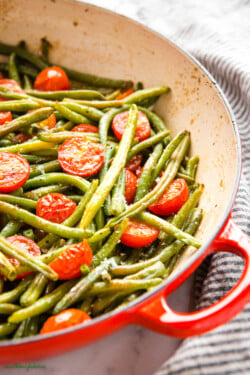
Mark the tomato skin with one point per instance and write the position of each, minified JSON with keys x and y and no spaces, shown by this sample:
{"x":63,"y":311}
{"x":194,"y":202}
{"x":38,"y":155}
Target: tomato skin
{"x":26,"y":244}
{"x":85,"y":128}
{"x":5,"y":117}
{"x":22,"y":137}
{"x":142,"y":130}
{"x":172,"y":200}
{"x":138,"y":172}
{"x":65,"y":319}
{"x":67,"y":264}
{"x":130,"y":186}
{"x":55,"y":207}
{"x":125,"y":94}
{"x":134,"y":163}
{"x":80,"y":157}
{"x":52,"y":79}
{"x":14,"y":171}
{"x":138,"y":234}
{"x":48,"y":123}
{"x":11,"y":85}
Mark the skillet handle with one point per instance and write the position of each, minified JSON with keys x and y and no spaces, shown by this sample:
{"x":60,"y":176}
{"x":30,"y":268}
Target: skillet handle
{"x":157,"y":315}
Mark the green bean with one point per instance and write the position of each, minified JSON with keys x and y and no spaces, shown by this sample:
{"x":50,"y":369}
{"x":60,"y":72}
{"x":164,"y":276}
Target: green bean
{"x":105,"y":122}
{"x":12,"y":251}
{"x":14,"y":294}
{"x":112,"y":174}
{"x":6,"y":49}
{"x":41,"y":305}
{"x":157,"y":269}
{"x":86,"y":305}
{"x":8,"y":308}
{"x":12,"y":67}
{"x":26,"y":328}
{"x":91,"y":113}
{"x":17,"y":193}
{"x":187,"y":178}
{"x":29,"y":233}
{"x":139,"y":96}
{"x":109,"y":153}
{"x":75,"y":198}
{"x":50,"y":166}
{"x":49,"y":287}
{"x":38,"y":222}
{"x":20,"y":330}
{"x":29,"y":71}
{"x":192,"y":165}
{"x":35,"y":159}
{"x":25,"y":120}
{"x":118,"y":203}
{"x":139,"y":86}
{"x":166,"y":155}
{"x":1,"y":284}
{"x":113,"y":95}
{"x":136,"y":149}
{"x":22,"y":105}
{"x":11,"y":228}
{"x":81,"y":287}
{"x":59,"y":95}
{"x":72,"y":116}
{"x":51,"y":152}
{"x":6,"y":268}
{"x":40,"y":192}
{"x":100,"y":104}
{"x":95,"y":80}
{"x":166,"y":253}
{"x":108,"y":248}
{"x":6,"y":329}
{"x":8,"y":94}
{"x":144,"y":181}
{"x":45,"y":46}
{"x":27,"y":84}
{"x":60,"y":137}
{"x":167,"y":177}
{"x":99,"y":235}
{"x":62,"y":178}
{"x":34,"y":290}
{"x":23,"y":202}
{"x":48,"y":240}
{"x":5,"y":142}
{"x":28,"y":146}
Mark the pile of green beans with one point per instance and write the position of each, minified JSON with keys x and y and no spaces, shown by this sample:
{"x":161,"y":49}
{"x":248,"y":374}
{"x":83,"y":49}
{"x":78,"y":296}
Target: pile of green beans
{"x":30,"y":292}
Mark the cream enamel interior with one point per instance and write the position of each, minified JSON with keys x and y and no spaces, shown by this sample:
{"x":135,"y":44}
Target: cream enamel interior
{"x":96,"y":41}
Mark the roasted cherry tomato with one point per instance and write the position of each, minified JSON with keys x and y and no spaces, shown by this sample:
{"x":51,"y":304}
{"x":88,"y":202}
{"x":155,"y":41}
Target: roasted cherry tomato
{"x":65,"y":319}
{"x":138,"y":234}
{"x":138,"y":172}
{"x":22,"y":137}
{"x":125,"y":94}
{"x":5,"y":117}
{"x":52,"y":79}
{"x":11,"y":85}
{"x":25,"y":244}
{"x":67,"y":264}
{"x":80,"y":157}
{"x":85,"y":128}
{"x":134,"y":163}
{"x":48,"y":123}
{"x":130,"y":187}
{"x":14,"y":171}
{"x":172,"y":200}
{"x":142,"y":130}
{"x":55,"y":207}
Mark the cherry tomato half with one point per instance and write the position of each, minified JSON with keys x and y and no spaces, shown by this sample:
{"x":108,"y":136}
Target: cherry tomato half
{"x":172,"y":200}
{"x":55,"y":207}
{"x":5,"y":117}
{"x":134,"y":163}
{"x":48,"y":123}
{"x":142,"y":130}
{"x":80,"y":157}
{"x":138,"y":234}
{"x":11,"y":85}
{"x":14,"y":171}
{"x":22,"y":137}
{"x":130,"y":187}
{"x":52,"y":79}
{"x":65,"y":319}
{"x":85,"y":128}
{"x":67,"y":264}
{"x":25,"y":244}
{"x":125,"y":94}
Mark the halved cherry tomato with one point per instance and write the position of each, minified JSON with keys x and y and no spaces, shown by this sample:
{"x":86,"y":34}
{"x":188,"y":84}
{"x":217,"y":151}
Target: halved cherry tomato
{"x":142,"y":130}
{"x":22,"y":137}
{"x":130,"y":186}
{"x":125,"y":94}
{"x":85,"y":128}
{"x":173,"y":198}
{"x":52,"y":79}
{"x":14,"y":171}
{"x":65,"y":319}
{"x":138,"y":172}
{"x":134,"y":162}
{"x":67,"y":264}
{"x":138,"y":234}
{"x":5,"y":117}
{"x":12,"y":85}
{"x":48,"y":123}
{"x":55,"y":207}
{"x":80,"y":157}
{"x":26,"y":245}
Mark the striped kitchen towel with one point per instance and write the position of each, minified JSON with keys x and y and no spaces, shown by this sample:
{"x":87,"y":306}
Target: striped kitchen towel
{"x":220,"y":39}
